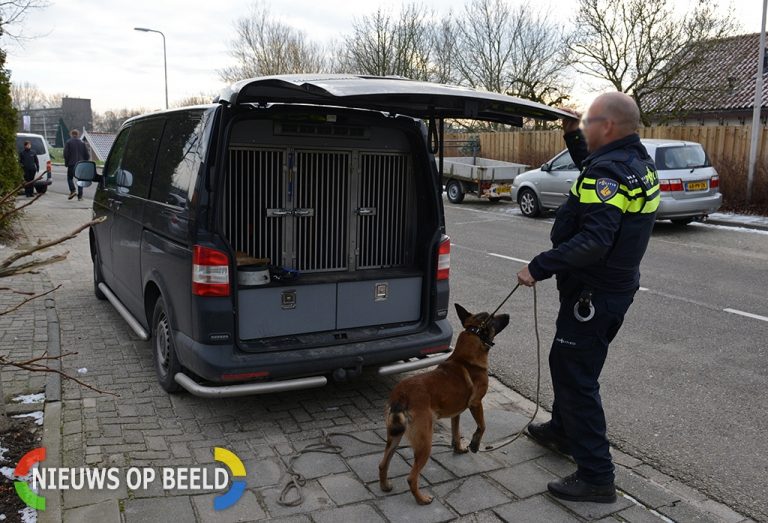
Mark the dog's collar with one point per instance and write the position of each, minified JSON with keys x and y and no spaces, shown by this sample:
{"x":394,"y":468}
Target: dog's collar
{"x":477,"y":331}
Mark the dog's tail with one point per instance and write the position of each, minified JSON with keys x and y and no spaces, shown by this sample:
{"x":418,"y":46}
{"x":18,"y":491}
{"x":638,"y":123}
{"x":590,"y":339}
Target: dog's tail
{"x":396,"y":419}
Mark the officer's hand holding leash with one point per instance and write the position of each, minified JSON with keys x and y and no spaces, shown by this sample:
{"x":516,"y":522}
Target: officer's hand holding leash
{"x":524,"y":277}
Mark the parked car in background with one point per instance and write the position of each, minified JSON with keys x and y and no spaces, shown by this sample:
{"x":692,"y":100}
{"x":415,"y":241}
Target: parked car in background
{"x":690,"y":186}
{"x":39,"y":146}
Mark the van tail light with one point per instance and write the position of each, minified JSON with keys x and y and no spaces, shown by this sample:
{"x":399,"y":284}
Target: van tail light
{"x":210,"y":272}
{"x":48,"y":166}
{"x":444,"y":258}
{"x":714,"y":182}
{"x":673,"y":185}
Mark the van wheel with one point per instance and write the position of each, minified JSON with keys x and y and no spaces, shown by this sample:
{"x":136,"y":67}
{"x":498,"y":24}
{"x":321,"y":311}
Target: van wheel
{"x":97,"y":278}
{"x":682,"y":222}
{"x":166,"y":362}
{"x":529,"y":203}
{"x":455,"y":192}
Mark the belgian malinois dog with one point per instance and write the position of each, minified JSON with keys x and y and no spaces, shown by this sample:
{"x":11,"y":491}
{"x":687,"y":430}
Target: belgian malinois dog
{"x":460,"y":382}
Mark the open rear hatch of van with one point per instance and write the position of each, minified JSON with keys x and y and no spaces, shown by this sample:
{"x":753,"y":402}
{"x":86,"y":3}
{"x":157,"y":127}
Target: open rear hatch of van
{"x":343,"y":205}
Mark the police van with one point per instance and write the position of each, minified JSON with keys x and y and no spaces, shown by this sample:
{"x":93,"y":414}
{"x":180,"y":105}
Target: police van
{"x":288,"y":233}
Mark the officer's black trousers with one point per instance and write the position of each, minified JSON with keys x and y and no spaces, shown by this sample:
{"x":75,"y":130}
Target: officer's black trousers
{"x":575,"y":361}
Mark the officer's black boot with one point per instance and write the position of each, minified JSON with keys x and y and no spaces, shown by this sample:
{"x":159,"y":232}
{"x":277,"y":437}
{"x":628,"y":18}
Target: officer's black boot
{"x":547,"y":436}
{"x":573,"y":488}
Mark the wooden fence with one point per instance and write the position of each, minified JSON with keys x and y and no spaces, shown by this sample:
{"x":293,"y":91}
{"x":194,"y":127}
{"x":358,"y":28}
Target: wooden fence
{"x":727,"y":147}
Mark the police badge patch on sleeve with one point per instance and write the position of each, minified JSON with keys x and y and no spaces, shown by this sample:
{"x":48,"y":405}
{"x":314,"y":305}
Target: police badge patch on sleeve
{"x":606,"y":188}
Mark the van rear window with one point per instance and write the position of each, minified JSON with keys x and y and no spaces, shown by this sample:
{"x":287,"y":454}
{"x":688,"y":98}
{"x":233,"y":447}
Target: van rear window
{"x":681,"y":157}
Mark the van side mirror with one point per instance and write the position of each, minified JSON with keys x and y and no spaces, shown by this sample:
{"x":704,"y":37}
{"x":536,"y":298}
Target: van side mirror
{"x":86,"y":171}
{"x":545,"y":167}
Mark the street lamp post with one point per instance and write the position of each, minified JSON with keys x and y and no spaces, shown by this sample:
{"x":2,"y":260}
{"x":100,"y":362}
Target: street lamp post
{"x":165,"y":61}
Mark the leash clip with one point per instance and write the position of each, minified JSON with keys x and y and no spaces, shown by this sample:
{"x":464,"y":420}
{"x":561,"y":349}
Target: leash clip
{"x":584,"y":310}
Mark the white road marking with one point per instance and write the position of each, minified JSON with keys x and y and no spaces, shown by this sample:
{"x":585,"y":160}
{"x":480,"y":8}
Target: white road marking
{"x":643,"y":289}
{"x":507,"y":257}
{"x":746,"y":314}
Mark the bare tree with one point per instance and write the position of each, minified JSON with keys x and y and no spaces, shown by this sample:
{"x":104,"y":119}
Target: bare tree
{"x":444,"y":49}
{"x":200,"y":99}
{"x":512,"y":50}
{"x":266,"y":46}
{"x":384,"y":44}
{"x":26,"y":96}
{"x":111,"y":120}
{"x":13,"y":14}
{"x":644,"y":48}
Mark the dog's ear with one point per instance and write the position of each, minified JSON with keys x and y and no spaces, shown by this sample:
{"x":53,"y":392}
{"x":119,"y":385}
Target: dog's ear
{"x":463,"y":313}
{"x":500,"y":322}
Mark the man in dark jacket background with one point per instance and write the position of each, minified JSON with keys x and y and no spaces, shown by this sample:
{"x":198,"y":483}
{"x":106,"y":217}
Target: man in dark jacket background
{"x":74,"y":151}
{"x":31,"y":165}
{"x":599,"y":238}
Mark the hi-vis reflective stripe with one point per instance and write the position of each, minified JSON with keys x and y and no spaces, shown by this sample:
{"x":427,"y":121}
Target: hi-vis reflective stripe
{"x":625,"y":199}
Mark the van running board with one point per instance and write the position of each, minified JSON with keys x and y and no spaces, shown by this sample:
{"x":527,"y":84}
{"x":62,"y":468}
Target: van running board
{"x":246,"y":389}
{"x":132,"y":322}
{"x":408,"y":366}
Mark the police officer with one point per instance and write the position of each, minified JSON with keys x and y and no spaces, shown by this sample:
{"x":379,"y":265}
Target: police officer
{"x":31,"y":165}
{"x":599,"y":238}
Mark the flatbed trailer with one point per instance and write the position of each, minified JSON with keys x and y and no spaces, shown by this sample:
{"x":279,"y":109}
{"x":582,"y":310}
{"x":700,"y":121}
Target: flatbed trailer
{"x":483,"y":177}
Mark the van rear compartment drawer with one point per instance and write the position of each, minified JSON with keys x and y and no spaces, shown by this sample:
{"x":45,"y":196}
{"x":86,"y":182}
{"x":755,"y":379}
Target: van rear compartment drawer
{"x":378,"y":302}
{"x":282,"y":311}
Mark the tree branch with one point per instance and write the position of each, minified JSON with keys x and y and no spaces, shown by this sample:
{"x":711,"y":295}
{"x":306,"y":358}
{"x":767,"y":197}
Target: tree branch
{"x":27,"y":300}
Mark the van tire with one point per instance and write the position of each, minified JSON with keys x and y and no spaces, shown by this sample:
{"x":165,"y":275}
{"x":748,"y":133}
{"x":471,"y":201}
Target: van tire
{"x":97,"y":278}
{"x":455,"y":191}
{"x":529,"y":203}
{"x":163,"y":348}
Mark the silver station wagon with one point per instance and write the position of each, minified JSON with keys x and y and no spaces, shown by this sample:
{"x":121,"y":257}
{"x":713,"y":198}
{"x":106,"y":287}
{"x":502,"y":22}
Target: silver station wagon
{"x":690,"y":186}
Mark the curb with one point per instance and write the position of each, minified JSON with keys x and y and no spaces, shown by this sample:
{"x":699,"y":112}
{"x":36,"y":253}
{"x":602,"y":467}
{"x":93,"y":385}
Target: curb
{"x":727,"y":223}
{"x":52,"y":439}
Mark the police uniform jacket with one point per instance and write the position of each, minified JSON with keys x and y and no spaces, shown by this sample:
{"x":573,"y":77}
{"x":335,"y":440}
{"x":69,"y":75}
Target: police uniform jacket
{"x":602,"y":231}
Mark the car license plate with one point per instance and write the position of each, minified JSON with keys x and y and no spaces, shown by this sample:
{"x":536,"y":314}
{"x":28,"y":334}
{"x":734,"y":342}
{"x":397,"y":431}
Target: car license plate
{"x":697,"y":186}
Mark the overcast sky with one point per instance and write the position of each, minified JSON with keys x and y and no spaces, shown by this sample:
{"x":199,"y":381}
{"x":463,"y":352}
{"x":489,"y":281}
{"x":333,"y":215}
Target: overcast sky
{"x":90,"y":50}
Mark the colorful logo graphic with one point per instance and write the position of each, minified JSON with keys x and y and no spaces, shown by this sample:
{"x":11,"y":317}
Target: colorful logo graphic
{"x":22,"y":469}
{"x":237,"y":469}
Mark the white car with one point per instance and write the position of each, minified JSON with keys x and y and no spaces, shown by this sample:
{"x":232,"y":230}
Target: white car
{"x":690,"y":186}
{"x":39,"y":145}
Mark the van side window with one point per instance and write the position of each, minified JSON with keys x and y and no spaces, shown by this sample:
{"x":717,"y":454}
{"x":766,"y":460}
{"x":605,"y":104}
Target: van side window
{"x":178,"y":159}
{"x":138,"y":162}
{"x":113,"y":160}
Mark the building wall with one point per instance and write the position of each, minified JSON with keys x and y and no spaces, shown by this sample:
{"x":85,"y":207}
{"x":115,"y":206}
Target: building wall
{"x":76,"y":113}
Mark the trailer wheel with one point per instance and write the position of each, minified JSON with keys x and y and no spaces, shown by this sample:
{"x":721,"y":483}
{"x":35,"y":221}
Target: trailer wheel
{"x":529,"y":203}
{"x":455,"y":192}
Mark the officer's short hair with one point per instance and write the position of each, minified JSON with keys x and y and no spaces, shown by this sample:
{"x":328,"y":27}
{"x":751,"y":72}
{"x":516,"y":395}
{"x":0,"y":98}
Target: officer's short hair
{"x":622,"y":109}
{"x":27,"y":142}
{"x":74,"y":133}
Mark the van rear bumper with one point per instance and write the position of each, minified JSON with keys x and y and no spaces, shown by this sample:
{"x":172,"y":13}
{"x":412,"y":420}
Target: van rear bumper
{"x":214,"y":362}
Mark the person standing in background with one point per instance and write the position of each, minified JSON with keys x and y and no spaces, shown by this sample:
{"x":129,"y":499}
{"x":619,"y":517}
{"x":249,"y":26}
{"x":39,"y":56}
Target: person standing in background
{"x":31,"y":165}
{"x":74,"y":151}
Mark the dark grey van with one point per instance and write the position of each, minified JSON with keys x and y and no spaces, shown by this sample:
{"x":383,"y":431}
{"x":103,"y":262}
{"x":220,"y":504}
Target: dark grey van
{"x":289,"y":232}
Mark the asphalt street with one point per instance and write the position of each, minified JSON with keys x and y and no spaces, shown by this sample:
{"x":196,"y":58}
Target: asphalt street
{"x":684,"y":387}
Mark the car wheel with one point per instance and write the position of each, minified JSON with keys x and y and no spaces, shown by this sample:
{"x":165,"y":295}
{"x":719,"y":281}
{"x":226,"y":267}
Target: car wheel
{"x":529,"y":203}
{"x":97,"y":278}
{"x":166,"y":361}
{"x":454,"y":191}
{"x":682,"y":222}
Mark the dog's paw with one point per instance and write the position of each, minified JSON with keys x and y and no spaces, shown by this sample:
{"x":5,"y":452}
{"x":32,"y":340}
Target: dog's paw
{"x":474,"y":446}
{"x":424,"y":500}
{"x":458,"y":449}
{"x":385,"y":486}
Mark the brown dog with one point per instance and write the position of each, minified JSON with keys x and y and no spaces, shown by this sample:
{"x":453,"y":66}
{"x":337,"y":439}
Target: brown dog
{"x":460,"y":382}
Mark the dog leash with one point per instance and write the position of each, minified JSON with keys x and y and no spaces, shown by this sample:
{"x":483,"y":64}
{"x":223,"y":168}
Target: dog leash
{"x":504,"y":442}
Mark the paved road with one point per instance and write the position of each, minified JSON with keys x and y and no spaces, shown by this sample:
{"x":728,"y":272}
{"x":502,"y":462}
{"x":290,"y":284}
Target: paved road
{"x":685,"y":383}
